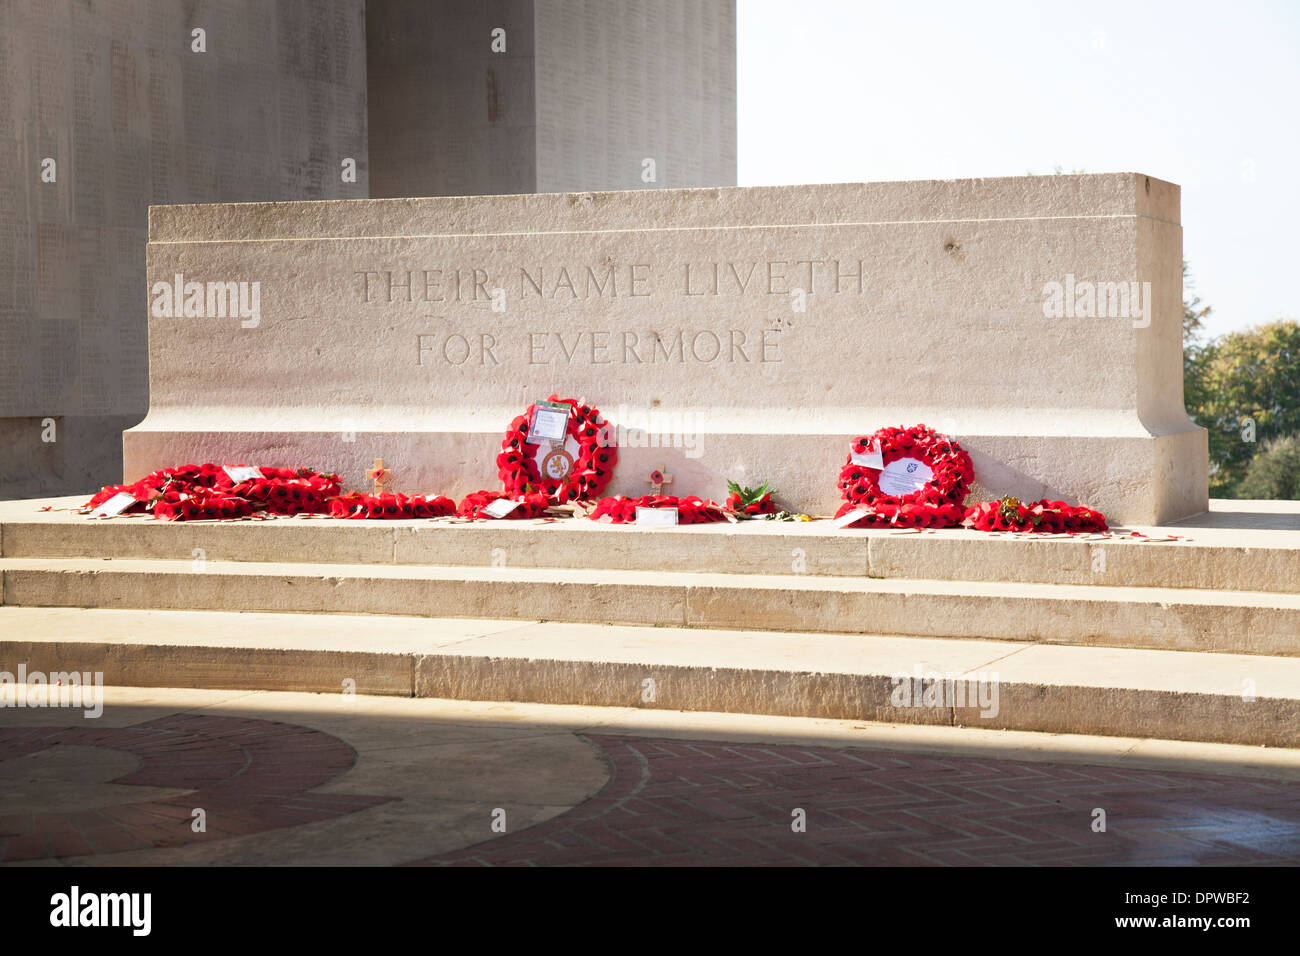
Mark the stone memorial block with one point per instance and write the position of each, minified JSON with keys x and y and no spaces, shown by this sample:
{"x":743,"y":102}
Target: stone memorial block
{"x":744,"y":333}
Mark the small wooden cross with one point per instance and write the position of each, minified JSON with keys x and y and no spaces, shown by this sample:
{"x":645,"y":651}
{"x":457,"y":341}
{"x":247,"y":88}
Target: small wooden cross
{"x":380,"y":475}
{"x":657,"y":479}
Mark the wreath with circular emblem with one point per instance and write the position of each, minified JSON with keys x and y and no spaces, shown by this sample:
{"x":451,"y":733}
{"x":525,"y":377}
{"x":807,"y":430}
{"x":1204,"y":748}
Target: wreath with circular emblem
{"x":578,"y":468}
{"x":905,"y":469}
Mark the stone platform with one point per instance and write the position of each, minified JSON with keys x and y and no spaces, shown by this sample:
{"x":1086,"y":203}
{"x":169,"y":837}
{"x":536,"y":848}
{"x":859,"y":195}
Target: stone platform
{"x":744,"y":333}
{"x":1197,"y":637}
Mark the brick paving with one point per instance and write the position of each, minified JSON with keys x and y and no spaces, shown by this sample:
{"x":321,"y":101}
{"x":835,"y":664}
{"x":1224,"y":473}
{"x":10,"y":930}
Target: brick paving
{"x":687,"y":802}
{"x":248,"y":775}
{"x":680,"y":802}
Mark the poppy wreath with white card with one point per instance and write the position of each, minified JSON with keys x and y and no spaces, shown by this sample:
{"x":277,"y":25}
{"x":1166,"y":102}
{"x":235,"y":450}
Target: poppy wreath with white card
{"x":690,"y":509}
{"x":577,"y":467}
{"x":210,"y":491}
{"x":898,"y":467}
{"x":479,"y":504}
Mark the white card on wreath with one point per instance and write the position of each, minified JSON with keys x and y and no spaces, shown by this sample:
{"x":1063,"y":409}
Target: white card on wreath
{"x":548,"y":425}
{"x":656,"y":517}
{"x":871,"y":458}
{"x":240,"y":473}
{"x":846,"y":519}
{"x":501,"y":507}
{"x":904,"y":476}
{"x":114,"y":505}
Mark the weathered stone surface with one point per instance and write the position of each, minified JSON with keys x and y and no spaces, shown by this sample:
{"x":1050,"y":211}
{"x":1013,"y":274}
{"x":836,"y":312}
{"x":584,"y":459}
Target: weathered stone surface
{"x":617,"y":86}
{"x":106,"y":108}
{"x":415,"y":329}
{"x":1227,"y":550}
{"x":1151,"y":617}
{"x":449,"y":114}
{"x":523,"y":96}
{"x":653,"y":674}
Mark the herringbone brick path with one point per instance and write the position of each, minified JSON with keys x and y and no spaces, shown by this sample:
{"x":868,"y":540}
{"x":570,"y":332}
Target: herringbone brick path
{"x":680,"y":802}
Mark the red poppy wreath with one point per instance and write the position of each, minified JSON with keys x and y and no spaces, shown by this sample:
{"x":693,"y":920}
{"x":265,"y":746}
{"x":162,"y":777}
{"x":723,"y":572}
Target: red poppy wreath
{"x":907,"y":475}
{"x":690,"y":509}
{"x":475,"y":505}
{"x":356,"y":504}
{"x":904,"y":516}
{"x":1048,"y":517}
{"x":578,"y":468}
{"x":210,"y":491}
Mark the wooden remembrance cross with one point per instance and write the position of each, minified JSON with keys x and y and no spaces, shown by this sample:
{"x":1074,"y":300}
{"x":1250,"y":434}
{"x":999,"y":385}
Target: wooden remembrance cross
{"x":380,"y":475}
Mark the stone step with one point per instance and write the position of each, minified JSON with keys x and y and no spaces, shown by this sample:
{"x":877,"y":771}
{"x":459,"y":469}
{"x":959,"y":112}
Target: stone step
{"x":1228,"y":557}
{"x":1164,"y":618}
{"x":1226,"y":698}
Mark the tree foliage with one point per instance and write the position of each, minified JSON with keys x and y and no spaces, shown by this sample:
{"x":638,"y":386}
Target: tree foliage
{"x":1275,"y":471}
{"x":1244,"y":387}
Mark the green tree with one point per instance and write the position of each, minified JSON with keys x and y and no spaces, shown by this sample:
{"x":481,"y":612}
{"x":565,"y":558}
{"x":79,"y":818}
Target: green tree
{"x":1194,"y":314}
{"x":1195,"y":353}
{"x":1244,"y":387}
{"x":1275,"y":471}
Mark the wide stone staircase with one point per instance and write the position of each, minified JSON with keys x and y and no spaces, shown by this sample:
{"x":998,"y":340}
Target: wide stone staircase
{"x":1190,"y":632}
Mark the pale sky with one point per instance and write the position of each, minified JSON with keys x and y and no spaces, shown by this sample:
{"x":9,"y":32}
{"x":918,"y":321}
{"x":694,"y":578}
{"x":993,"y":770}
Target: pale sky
{"x":1205,"y":95}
